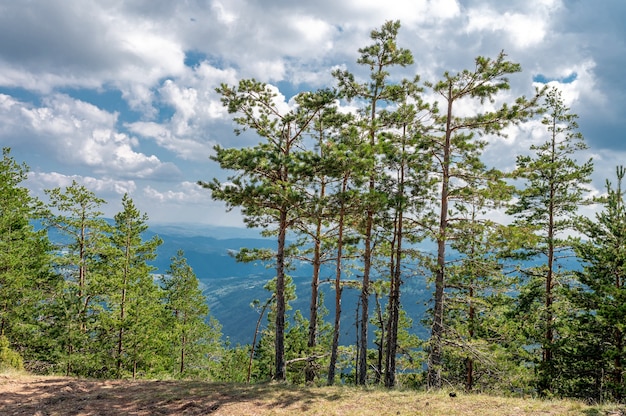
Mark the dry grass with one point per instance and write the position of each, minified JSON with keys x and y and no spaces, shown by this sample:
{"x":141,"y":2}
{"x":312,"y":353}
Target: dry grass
{"x":34,"y":395}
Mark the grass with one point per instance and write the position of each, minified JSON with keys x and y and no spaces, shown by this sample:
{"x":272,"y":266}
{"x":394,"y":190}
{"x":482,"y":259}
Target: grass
{"x":21,"y":394}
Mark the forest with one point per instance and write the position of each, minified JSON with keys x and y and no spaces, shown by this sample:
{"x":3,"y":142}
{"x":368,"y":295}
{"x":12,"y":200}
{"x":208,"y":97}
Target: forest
{"x":527,"y":293}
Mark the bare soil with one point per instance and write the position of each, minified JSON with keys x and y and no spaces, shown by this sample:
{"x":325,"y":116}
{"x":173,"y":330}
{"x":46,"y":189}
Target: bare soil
{"x":38,"y":396}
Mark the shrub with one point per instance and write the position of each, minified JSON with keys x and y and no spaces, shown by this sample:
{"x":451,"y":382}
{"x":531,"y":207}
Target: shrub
{"x":9,"y":359}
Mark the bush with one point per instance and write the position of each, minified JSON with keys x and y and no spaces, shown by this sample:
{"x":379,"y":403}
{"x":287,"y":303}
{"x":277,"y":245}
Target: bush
{"x":9,"y":359}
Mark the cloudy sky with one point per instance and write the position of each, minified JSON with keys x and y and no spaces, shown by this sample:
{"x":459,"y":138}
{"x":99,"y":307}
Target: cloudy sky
{"x":119,"y":95}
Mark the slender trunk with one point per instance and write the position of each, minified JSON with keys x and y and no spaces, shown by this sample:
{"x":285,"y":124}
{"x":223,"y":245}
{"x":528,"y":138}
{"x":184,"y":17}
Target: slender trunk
{"x":68,"y":369}
{"x":81,"y":254}
{"x":549,"y":331}
{"x":183,"y":344}
{"x":394,"y":311}
{"x":365,"y":293}
{"x":280,"y":373}
{"x":547,"y":349}
{"x":120,"y":336}
{"x":381,"y":340}
{"x":469,"y":362}
{"x":436,"y":355}
{"x":256,"y":333}
{"x":618,"y":376}
{"x":367,"y":254}
{"x":82,"y":272}
{"x":358,"y":341}
{"x":338,"y":289}
{"x":394,"y":290}
{"x":317,"y":264}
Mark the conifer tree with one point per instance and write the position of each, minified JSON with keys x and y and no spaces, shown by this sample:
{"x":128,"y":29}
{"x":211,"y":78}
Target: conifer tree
{"x":75,"y":214}
{"x":136,"y":313}
{"x":548,"y":204}
{"x":317,"y":223}
{"x":265,"y":178}
{"x":382,"y":55}
{"x":408,"y":188}
{"x":26,"y":279}
{"x":456,"y":151}
{"x":196,"y":336}
{"x":599,"y":303}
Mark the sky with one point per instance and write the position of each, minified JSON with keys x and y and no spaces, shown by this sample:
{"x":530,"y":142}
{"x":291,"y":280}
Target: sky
{"x":119,"y":95}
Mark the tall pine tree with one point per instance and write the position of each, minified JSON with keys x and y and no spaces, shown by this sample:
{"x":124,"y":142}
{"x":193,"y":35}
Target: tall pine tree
{"x":456,"y":151}
{"x":548,"y":204}
{"x":136,"y":314}
{"x":372,"y":96}
{"x":26,"y":280}
{"x":195,"y":336}
{"x":74,"y":213}
{"x":599,"y":304}
{"x":265,"y":178}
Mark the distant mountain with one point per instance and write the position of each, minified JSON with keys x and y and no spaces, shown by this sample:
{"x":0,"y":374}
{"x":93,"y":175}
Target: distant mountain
{"x":231,"y":287}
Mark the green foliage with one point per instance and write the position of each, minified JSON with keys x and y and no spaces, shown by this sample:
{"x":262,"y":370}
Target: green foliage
{"x":135,"y":323}
{"x":9,"y":359}
{"x":374,"y":98}
{"x":548,"y":205}
{"x":466,"y":184}
{"x":266,"y":179}
{"x":592,"y":351}
{"x":195,"y":338}
{"x":75,"y":212}
{"x":26,"y":278}
{"x":359,"y":192}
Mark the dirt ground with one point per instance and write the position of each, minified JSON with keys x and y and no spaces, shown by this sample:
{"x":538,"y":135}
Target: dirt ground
{"x":31,"y":395}
{"x":39,"y":396}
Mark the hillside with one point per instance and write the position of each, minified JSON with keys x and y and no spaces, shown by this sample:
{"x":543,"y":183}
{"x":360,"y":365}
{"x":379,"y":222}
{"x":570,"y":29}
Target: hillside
{"x":30,"y":395}
{"x":231,"y":286}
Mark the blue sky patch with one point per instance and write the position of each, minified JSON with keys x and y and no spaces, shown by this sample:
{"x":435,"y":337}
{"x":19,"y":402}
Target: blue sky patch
{"x":565,"y":80}
{"x":106,"y":99}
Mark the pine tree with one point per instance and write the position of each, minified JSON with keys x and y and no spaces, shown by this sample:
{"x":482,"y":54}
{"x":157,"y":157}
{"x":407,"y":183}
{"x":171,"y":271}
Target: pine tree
{"x":26,"y":279}
{"x":75,"y":214}
{"x":264,"y":184}
{"x":372,"y":96}
{"x":318,"y":223}
{"x":408,"y":186}
{"x":549,"y":202}
{"x":600,"y":302}
{"x":457,"y":152}
{"x":136,"y":313}
{"x":196,"y":337}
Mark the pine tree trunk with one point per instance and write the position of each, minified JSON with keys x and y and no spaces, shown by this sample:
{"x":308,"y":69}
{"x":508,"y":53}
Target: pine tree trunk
{"x":280,"y":373}
{"x":338,"y":289}
{"x":182,"y":354}
{"x":381,"y":340}
{"x":365,"y":293}
{"x":435,"y":357}
{"x":310,"y":372}
{"x":469,"y":362}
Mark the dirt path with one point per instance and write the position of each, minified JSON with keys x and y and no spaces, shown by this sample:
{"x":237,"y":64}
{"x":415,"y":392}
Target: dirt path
{"x":67,"y":396}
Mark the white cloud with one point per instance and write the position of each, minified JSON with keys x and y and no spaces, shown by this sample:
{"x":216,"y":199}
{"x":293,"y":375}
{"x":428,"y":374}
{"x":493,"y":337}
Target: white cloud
{"x":52,"y":52}
{"x":523,"y":30}
{"x":80,"y":134}
{"x":526,"y":28}
{"x":188,"y":200}
{"x":49,"y":180}
{"x":185,"y":148}
{"x":224,"y":15}
{"x":186,"y":192}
